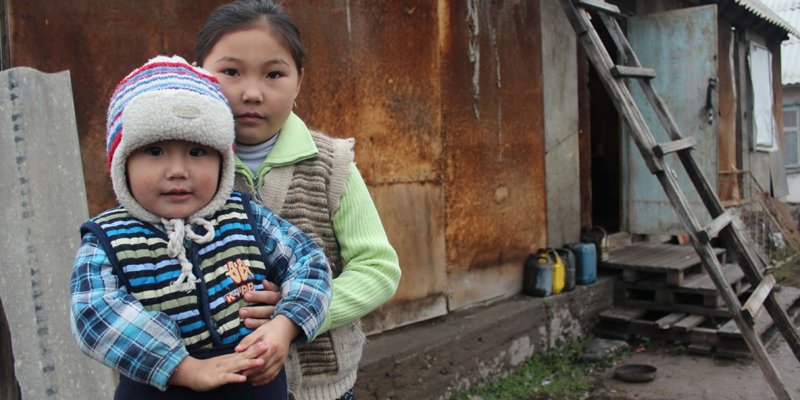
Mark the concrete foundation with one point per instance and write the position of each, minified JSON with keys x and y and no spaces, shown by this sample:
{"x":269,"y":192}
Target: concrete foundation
{"x":438,"y":358}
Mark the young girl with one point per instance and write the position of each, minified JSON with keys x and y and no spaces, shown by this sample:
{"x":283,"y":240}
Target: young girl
{"x":158,"y":281}
{"x":306,"y":177}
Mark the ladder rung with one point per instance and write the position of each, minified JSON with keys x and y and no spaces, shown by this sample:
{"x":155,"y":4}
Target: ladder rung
{"x":600,"y":5}
{"x":662,"y":149}
{"x":715,"y":226}
{"x":624,"y":71}
{"x":756,"y":300}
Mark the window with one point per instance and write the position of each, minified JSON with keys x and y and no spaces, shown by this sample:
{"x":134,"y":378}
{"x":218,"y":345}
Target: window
{"x":761,"y":81}
{"x":791,"y":136}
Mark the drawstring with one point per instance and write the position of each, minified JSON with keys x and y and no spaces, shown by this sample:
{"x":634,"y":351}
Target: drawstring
{"x":176,"y":231}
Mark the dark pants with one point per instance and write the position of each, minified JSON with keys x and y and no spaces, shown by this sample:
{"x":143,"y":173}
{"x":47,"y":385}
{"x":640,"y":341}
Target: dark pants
{"x":277,"y":389}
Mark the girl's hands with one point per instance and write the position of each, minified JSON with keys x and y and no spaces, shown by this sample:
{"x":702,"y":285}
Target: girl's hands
{"x":276,"y":334}
{"x":255,"y":316}
{"x":204,"y":375}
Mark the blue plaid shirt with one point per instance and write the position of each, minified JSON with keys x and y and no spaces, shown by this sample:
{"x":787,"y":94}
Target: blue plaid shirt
{"x":112,"y":327}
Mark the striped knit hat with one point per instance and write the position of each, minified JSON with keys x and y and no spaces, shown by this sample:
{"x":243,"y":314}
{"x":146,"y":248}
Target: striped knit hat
{"x":169,"y":99}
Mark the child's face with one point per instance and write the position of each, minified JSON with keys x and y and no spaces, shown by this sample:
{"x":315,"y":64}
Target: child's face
{"x":259,"y":78}
{"x":173,"y":178}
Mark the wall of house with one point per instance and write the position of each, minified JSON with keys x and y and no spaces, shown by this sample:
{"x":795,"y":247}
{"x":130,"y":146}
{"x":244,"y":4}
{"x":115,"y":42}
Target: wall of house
{"x":445,"y":100}
{"x":562,"y":151}
{"x":791,"y":95}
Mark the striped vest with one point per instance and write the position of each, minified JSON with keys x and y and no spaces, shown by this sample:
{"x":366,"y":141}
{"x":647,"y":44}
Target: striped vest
{"x":230,"y":265}
{"x":307,"y":194}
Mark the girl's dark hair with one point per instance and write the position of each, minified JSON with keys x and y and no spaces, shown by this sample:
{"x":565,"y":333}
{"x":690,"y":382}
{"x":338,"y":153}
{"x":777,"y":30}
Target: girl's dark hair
{"x":242,"y":13}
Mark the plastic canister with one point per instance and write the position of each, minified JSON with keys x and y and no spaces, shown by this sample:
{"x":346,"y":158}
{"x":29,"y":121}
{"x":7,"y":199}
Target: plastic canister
{"x":585,"y":263}
{"x":529,"y":272}
{"x":558,"y":271}
{"x":568,"y":257}
{"x":544,"y":274}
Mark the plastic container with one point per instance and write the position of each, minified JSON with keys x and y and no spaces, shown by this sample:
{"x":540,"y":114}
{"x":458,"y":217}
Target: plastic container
{"x":585,"y":263}
{"x":544,"y":275}
{"x":558,"y":271}
{"x":598,"y":236}
{"x":529,"y":272}
{"x":568,"y":257}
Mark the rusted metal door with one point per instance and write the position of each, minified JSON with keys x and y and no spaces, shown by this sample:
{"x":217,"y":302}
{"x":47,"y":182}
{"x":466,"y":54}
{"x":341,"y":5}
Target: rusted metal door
{"x":681,"y":46}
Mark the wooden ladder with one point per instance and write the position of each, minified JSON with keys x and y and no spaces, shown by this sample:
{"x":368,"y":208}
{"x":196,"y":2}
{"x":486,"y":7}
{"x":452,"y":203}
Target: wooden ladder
{"x":724,"y":224}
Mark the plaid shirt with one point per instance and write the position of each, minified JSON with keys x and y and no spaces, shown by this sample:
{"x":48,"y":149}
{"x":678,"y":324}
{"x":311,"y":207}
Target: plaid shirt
{"x":111,"y":326}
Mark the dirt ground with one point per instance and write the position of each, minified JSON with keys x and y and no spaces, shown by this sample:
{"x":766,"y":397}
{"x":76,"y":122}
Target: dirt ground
{"x":690,"y":377}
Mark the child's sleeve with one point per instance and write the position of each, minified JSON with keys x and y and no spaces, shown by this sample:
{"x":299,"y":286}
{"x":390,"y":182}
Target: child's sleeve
{"x":112,"y":327}
{"x":301,"y":269}
{"x":371,"y":272}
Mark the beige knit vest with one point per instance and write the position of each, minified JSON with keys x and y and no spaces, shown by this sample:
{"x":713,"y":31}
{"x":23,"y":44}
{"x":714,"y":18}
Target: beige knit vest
{"x":325,"y":368}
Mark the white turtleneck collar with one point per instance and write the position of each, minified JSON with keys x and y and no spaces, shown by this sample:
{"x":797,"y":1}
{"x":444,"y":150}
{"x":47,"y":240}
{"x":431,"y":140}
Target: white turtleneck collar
{"x":253,"y":155}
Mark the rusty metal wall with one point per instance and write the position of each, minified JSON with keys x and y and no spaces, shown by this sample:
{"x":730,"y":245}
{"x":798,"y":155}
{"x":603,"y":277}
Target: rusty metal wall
{"x":494,"y":145}
{"x":451,"y":148}
{"x":99,"y":42}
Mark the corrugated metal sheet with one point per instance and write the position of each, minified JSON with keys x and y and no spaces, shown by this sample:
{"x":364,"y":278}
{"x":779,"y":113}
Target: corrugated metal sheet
{"x":789,"y":11}
{"x":781,"y":5}
{"x":790,"y":62}
{"x":766,"y":12}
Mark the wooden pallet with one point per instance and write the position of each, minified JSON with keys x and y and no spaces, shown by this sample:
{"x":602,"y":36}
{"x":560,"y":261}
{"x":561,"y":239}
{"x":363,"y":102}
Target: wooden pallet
{"x":704,"y":334}
{"x":673,"y":263}
{"x":695,"y":290}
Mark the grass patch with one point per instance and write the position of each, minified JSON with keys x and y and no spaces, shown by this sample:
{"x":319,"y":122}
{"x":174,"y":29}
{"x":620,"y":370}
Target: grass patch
{"x":787,"y":272}
{"x":559,"y":374}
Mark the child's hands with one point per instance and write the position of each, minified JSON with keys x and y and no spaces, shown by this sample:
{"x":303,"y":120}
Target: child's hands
{"x":203,"y":375}
{"x":276,"y":335}
{"x":259,"y":314}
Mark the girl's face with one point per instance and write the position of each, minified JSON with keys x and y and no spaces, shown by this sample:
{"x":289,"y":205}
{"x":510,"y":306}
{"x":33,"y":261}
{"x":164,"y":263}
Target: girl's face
{"x":173,"y":178}
{"x":259,"y":78}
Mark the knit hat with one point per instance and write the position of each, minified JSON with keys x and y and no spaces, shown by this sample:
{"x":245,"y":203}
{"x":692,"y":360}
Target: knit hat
{"x":169,"y":99}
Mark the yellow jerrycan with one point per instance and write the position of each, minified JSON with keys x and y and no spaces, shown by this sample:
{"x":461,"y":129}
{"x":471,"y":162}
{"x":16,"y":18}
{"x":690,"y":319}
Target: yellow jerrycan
{"x":559,"y":271}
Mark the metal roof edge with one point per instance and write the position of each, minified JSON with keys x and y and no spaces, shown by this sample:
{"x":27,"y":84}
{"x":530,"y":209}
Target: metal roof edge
{"x":764,"y":12}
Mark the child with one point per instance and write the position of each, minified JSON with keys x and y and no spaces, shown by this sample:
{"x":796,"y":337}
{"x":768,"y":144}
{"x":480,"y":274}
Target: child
{"x":307,"y":177}
{"x":158,"y":281}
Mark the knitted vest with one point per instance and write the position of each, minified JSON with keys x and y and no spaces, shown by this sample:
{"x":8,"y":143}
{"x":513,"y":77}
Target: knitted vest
{"x":230,"y":265}
{"x":307,"y":194}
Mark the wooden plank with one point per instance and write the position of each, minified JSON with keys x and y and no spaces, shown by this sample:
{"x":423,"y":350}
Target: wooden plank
{"x":669,"y":320}
{"x":600,"y":5}
{"x":684,"y":308}
{"x":786,"y":298}
{"x":713,"y":229}
{"x":689,"y":322}
{"x":663,"y":149}
{"x":655,"y":257}
{"x":624,"y":314}
{"x":732,"y":273}
{"x":756,"y":300}
{"x":623,"y":71}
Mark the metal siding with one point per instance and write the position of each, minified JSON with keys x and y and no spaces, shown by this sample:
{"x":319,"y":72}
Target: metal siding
{"x":681,"y":46}
{"x":99,"y":42}
{"x":457,"y":192}
{"x":789,"y":11}
{"x":765,"y":11}
{"x":494,"y":145}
